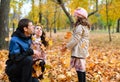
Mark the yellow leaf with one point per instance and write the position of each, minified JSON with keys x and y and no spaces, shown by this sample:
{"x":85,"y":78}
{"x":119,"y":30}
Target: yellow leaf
{"x":50,"y":42}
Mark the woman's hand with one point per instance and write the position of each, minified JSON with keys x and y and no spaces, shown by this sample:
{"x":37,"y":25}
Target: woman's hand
{"x":36,"y":52}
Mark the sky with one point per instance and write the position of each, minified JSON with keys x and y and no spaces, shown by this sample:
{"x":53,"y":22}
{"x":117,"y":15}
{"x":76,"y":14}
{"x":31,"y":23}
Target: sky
{"x":26,"y":8}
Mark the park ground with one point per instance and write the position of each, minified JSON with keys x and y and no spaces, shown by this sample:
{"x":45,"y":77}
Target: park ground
{"x":103,"y":64}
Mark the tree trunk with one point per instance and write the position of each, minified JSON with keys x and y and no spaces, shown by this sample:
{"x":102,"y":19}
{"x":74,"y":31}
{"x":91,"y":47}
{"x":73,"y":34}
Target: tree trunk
{"x":92,"y":13}
{"x":109,"y":30}
{"x":118,"y":26}
{"x":4,"y":20}
{"x":60,"y":2}
{"x":40,"y":13}
{"x":40,"y":17}
{"x":47,"y":22}
{"x":68,"y":15}
{"x":55,"y":14}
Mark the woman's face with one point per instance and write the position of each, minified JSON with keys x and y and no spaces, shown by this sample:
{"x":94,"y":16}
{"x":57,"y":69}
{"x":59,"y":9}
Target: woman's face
{"x":38,"y":30}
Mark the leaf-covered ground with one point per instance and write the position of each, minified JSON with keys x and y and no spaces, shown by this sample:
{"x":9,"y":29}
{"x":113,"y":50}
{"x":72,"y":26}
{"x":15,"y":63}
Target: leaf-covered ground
{"x":103,"y":64}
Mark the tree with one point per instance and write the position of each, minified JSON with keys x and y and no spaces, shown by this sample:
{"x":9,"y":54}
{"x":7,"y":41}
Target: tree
{"x":4,"y":20}
{"x":77,"y":4}
{"x":16,"y":14}
{"x":95,"y":10}
{"x":61,"y":3}
{"x":107,"y":18}
{"x":40,"y":13}
{"x":118,"y":25}
{"x":113,"y":12}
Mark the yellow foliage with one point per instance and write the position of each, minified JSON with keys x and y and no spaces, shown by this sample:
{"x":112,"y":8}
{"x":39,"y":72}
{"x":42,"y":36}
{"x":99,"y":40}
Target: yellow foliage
{"x":113,"y":11}
{"x":77,"y":3}
{"x":50,"y":42}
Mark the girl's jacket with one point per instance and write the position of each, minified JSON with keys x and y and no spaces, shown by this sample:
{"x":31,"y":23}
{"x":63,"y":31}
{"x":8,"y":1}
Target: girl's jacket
{"x":79,"y":42}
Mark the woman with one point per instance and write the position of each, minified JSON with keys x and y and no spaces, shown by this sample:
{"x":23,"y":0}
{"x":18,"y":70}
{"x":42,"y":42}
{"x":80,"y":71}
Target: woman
{"x":39,"y":44}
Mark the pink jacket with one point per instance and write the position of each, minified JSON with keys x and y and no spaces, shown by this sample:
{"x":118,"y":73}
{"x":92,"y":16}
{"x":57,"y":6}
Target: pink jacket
{"x":36,"y":44}
{"x":79,"y":42}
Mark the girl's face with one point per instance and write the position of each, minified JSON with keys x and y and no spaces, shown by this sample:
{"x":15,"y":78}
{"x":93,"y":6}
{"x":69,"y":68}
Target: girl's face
{"x":76,"y":18}
{"x":38,"y":30}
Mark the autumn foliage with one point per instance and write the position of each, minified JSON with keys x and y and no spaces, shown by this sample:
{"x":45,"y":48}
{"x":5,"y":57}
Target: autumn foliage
{"x":103,"y":64}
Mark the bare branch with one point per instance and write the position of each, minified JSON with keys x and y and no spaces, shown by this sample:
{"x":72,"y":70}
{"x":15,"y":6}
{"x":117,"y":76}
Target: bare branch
{"x":95,"y":10}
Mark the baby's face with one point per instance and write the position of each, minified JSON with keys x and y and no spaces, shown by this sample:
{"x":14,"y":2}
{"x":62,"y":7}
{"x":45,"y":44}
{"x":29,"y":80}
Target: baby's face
{"x":38,"y":30}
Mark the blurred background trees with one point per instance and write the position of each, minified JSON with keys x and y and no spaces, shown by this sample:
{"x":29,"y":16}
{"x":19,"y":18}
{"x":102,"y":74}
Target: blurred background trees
{"x":57,"y":15}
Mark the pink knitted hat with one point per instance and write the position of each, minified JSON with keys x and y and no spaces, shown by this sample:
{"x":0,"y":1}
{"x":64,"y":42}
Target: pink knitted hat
{"x":81,"y":12}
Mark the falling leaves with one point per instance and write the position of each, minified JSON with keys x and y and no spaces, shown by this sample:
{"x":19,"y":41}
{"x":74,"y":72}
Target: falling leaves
{"x":68,"y":35}
{"x":50,"y":42}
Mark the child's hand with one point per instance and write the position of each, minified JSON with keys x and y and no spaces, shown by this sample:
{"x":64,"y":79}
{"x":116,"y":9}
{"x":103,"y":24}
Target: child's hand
{"x":36,"y":54}
{"x":63,"y":49}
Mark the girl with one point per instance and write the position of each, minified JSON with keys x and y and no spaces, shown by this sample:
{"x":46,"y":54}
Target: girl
{"x":39,"y":43}
{"x":79,"y":43}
